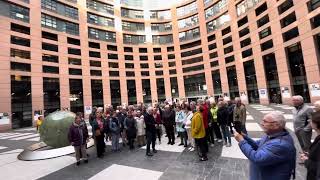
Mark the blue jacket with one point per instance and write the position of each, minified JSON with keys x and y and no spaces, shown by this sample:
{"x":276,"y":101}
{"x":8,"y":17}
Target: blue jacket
{"x":271,"y":157}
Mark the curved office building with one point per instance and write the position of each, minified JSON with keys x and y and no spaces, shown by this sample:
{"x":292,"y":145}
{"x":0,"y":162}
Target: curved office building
{"x":75,"y":54}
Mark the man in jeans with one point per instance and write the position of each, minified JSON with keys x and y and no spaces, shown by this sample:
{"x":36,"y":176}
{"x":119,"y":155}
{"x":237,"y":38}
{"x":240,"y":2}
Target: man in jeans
{"x":301,"y":120}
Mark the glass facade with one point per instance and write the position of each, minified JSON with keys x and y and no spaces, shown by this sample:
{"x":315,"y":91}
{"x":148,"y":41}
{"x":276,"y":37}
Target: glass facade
{"x":97,"y":93}
{"x":161,"y":90}
{"x":251,"y":81}
{"x":59,"y":8}
{"x":189,"y":34}
{"x":233,"y":82}
{"x":76,"y":95}
{"x":146,"y":91}
{"x":195,"y":85}
{"x":101,"y":35}
{"x":187,"y":9}
{"x":188,"y":22}
{"x":19,"y":13}
{"x":21,"y":103}
{"x":100,"y":7}
{"x":115,"y":92}
{"x":216,"y":8}
{"x":217,"y":23}
{"x":134,"y":39}
{"x":161,"y":27}
{"x":132,"y":94}
{"x":245,"y":6}
{"x":100,"y":20}
{"x":216,"y":81}
{"x":174,"y":87}
{"x":132,"y":26}
{"x":51,"y":94}
{"x":133,"y":14}
{"x":160,"y":15}
{"x":162,"y":39}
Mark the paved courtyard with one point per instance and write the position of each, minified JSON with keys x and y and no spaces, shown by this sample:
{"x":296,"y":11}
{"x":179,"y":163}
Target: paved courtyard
{"x":170,"y":163}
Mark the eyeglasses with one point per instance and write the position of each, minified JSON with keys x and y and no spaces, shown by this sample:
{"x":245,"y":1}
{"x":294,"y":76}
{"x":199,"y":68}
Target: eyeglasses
{"x":270,"y":122}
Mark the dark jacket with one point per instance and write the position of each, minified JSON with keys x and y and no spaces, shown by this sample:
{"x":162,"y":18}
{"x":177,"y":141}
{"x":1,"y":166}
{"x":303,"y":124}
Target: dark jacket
{"x":95,"y":126}
{"x":130,"y":125}
{"x":271,"y":157}
{"x":114,"y":125}
{"x":121,"y":117}
{"x":223,"y":116}
{"x":313,"y":162}
{"x":78,"y":134}
{"x":150,"y":123}
{"x":168,"y":118}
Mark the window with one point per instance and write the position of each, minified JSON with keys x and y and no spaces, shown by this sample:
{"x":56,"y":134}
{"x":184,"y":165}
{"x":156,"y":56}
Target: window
{"x":130,"y":74}
{"x":94,"y":45}
{"x":216,"y":8}
{"x":158,"y":65}
{"x":245,"y":42}
{"x":288,"y":20}
{"x":227,"y":40}
{"x":266,"y":45}
{"x":228,"y":49}
{"x":190,"y":45}
{"x":213,"y":55}
{"x":161,"y":27}
{"x":187,"y":9}
{"x":217,"y":23}
{"x":50,"y":69}
{"x":245,"y":6}
{"x":264,"y":33}
{"x":50,"y":36}
{"x":313,"y":4}
{"x":71,"y":12}
{"x":285,"y":6}
{"x":101,"y":35}
{"x":128,"y":49}
{"x":129,"y":65}
{"x":162,"y":39}
{"x":157,"y":50}
{"x":132,"y":26}
{"x":212,"y":46}
{"x":17,"y":53}
{"x":74,"y":61}
{"x":94,"y":54}
{"x":243,"y":21}
{"x":211,"y":37}
{"x":229,"y":59}
{"x":188,"y":22}
{"x":112,"y":56}
{"x":100,"y":7}
{"x":73,"y":41}
{"x":261,"y":9}
{"x":113,"y":65}
{"x":172,"y":64}
{"x":50,"y":58}
{"x":244,"y":32}
{"x":226,"y":31}
{"x":247,"y":53}
{"x":71,"y":28}
{"x":95,"y":63}
{"x":49,"y":5}
{"x":189,"y":34}
{"x":262,"y":21}
{"x":171,"y":56}
{"x":112,"y":48}
{"x":192,"y":60}
{"x":128,"y":57}
{"x":144,"y":73}
{"x":48,"y":21}
{"x":292,"y":33}
{"x":134,"y":39}
{"x":114,"y":73}
{"x":95,"y":72}
{"x":20,"y":41}
{"x":143,"y":50}
{"x":193,"y":68}
{"x":315,"y":21}
{"x":159,"y":73}
{"x":130,"y":13}
{"x":214,"y":63}
{"x":172,"y":71}
{"x":74,"y":51}
{"x":20,"y":66}
{"x":20,"y":28}
{"x":157,"y":57}
{"x":19,"y":13}
{"x":143,"y":58}
{"x":170,"y":49}
{"x":50,"y":47}
{"x":191,"y":52}
{"x":73,"y":71}
{"x":59,"y":8}
{"x":161,"y":15}
{"x":144,"y":65}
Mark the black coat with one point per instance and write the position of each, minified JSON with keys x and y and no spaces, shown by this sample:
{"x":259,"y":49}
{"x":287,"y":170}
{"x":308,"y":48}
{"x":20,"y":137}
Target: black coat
{"x":150,"y":123}
{"x":130,"y":125}
{"x":313,"y":162}
{"x":168,"y":118}
{"x":223,"y":116}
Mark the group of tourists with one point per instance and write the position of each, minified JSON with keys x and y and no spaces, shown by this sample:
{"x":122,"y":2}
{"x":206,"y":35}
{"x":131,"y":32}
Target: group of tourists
{"x":201,"y":124}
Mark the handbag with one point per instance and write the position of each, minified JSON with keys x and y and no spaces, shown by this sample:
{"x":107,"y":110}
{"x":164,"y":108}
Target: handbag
{"x":97,"y":132}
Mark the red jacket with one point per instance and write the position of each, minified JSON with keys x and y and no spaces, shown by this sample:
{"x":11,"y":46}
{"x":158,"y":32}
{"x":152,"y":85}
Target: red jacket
{"x":205,"y":116}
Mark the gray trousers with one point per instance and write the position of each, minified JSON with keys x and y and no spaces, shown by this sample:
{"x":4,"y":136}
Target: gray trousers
{"x":80,"y":150}
{"x":115,"y":142}
{"x":304,"y":138}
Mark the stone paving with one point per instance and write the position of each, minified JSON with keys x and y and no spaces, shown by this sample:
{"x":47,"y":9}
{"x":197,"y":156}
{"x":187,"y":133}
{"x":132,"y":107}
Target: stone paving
{"x":170,"y":163}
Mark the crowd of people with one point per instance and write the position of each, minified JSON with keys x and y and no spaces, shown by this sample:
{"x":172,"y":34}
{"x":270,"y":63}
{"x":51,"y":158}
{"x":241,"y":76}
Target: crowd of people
{"x":202,"y":124}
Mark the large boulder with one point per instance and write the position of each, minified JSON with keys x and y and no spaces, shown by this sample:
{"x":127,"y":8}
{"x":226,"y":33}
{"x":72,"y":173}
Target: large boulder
{"x":55,"y":127}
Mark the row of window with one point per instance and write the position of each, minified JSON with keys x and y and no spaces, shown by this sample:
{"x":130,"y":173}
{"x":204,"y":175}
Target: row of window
{"x":62,"y":9}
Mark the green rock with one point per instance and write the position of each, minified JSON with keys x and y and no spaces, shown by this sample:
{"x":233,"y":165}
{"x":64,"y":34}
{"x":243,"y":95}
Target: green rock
{"x":55,"y":127}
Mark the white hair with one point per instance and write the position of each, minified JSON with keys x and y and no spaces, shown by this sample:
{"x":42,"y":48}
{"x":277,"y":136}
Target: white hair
{"x":150,"y":108}
{"x":278,"y":117}
{"x":317,"y":105}
{"x":237,"y":99}
{"x":298,"y":97}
